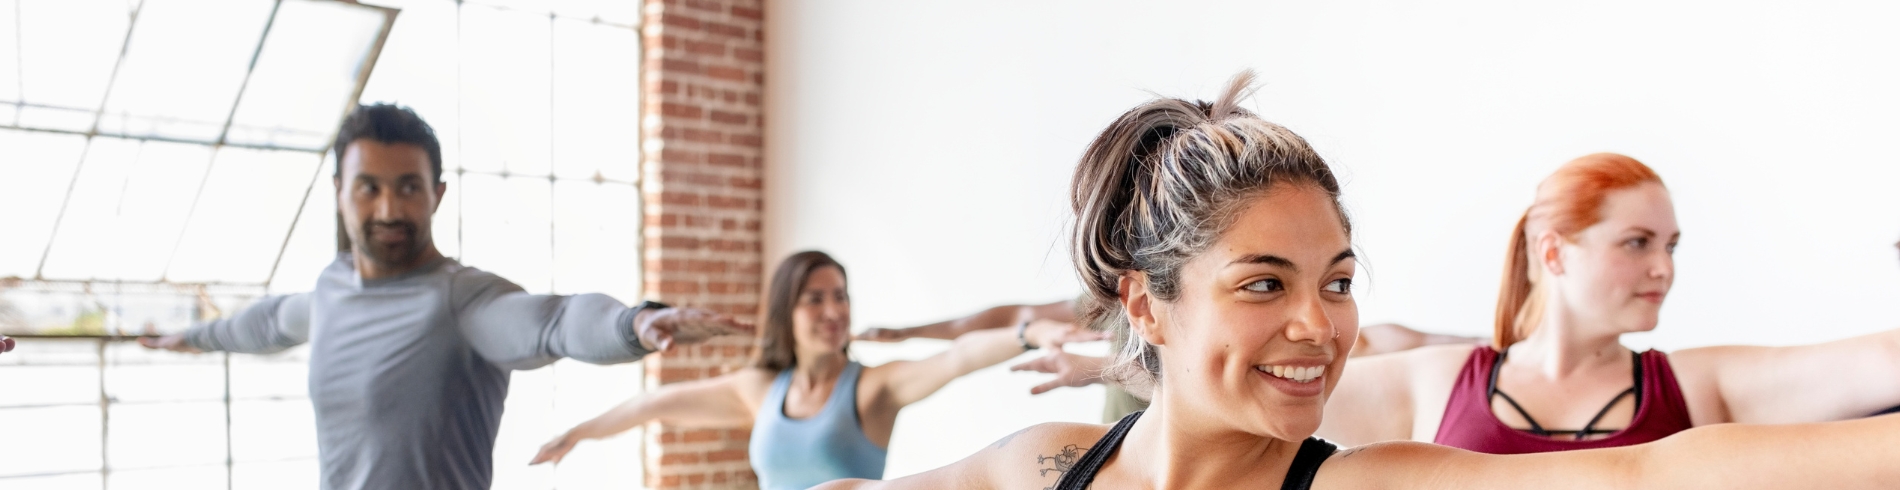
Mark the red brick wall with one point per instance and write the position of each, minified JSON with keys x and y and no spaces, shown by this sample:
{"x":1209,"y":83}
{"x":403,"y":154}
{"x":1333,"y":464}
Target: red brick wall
{"x":702,"y":134}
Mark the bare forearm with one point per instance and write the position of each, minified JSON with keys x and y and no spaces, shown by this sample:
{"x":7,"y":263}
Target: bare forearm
{"x":996,"y":317}
{"x":1777,"y":384}
{"x":1386,"y":338}
{"x":704,"y":403}
{"x":621,"y":418}
{"x":1835,"y":455}
{"x":1442,"y":339}
{"x":984,"y":348}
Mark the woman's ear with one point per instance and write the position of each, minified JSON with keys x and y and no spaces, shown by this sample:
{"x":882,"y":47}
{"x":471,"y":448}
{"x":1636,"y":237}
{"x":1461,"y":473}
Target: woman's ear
{"x":1138,"y":304}
{"x":1549,"y":253}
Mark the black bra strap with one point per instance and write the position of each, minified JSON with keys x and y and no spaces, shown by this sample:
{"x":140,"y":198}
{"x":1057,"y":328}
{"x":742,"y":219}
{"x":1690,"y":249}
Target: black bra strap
{"x":1083,"y":473}
{"x":1313,"y":453}
{"x":1636,"y":388}
{"x":1636,"y":373}
{"x":1591,"y":428}
{"x":1492,"y":391}
{"x":1535,"y":427}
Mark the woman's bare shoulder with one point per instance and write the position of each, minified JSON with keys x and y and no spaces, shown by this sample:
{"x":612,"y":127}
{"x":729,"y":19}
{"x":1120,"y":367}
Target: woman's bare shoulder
{"x":1048,"y":447}
{"x":1035,"y":457}
{"x":752,"y":382}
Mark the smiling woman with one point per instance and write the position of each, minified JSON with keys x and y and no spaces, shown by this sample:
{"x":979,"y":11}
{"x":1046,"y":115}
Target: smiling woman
{"x":1218,"y":236}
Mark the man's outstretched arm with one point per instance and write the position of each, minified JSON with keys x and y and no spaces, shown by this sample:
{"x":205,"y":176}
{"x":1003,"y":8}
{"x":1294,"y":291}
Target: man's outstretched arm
{"x":272,"y":324}
{"x":517,"y":330}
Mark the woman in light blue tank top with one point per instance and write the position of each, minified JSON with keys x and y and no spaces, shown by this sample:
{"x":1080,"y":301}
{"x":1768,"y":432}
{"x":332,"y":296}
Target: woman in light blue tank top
{"x":815,"y":415}
{"x":800,"y":453}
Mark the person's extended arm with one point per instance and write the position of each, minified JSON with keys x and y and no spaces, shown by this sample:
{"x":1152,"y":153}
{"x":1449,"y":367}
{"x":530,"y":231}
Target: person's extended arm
{"x":272,"y":324}
{"x":1386,"y":338}
{"x":1836,"y":455}
{"x":715,"y":402}
{"x":517,"y":330}
{"x":995,"y":317}
{"x":1836,"y":380}
{"x":906,"y":382}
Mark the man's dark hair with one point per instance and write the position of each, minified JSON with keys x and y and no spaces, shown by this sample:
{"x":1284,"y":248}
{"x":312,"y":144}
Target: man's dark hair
{"x":387,"y":124}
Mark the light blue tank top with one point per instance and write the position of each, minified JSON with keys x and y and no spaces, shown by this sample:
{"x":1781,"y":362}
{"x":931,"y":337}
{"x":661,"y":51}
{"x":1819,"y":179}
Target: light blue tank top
{"x":790,"y":453}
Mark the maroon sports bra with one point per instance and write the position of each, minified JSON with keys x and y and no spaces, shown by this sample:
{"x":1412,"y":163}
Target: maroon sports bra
{"x":1470,"y":424}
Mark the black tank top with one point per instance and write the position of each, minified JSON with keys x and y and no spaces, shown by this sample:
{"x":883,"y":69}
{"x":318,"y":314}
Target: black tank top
{"x":1313,"y":452}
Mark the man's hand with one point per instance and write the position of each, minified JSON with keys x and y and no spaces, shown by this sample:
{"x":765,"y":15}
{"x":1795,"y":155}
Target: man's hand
{"x":173,"y":342}
{"x":1071,"y":370}
{"x":881,"y":334}
{"x":1051,"y":334}
{"x":660,"y":329}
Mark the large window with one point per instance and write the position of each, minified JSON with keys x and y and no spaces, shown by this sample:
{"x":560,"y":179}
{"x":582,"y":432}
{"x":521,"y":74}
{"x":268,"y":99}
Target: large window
{"x":165,"y":163}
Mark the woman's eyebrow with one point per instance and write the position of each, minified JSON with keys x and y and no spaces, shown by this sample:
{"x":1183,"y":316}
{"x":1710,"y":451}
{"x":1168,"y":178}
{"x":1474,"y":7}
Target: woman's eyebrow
{"x":1273,"y":260}
{"x":1278,"y":261}
{"x":1650,"y":233}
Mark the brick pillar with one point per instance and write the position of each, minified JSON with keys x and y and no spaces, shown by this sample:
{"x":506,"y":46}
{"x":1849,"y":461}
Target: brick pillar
{"x":704,"y":74}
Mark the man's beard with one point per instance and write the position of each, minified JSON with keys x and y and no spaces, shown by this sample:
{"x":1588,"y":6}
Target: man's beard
{"x":396,"y":255}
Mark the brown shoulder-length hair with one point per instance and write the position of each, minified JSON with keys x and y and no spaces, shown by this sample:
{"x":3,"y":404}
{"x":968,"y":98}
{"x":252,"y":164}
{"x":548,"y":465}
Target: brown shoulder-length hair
{"x":777,"y":345}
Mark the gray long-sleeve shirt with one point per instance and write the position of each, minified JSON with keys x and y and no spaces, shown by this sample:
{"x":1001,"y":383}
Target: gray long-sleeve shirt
{"x":408,"y":373}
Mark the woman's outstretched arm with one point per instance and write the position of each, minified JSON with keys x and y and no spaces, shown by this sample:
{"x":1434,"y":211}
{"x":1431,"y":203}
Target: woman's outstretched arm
{"x":1857,"y":454}
{"x":1386,"y":338}
{"x":1837,"y":380}
{"x":906,"y":382}
{"x":724,"y":401}
{"x":994,"y":317}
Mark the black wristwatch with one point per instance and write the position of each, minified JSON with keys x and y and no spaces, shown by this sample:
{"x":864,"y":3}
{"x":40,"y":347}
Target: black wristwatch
{"x":1022,"y":328}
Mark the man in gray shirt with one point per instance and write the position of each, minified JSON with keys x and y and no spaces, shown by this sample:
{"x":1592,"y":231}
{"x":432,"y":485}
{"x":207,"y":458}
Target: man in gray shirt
{"x":410,"y":351}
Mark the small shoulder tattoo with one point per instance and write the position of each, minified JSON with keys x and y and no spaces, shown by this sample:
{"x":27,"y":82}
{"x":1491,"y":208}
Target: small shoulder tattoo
{"x":1059,"y":463}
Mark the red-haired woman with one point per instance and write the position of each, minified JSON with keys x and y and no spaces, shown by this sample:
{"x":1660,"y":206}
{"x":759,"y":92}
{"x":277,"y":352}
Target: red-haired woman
{"x":1591,"y":261}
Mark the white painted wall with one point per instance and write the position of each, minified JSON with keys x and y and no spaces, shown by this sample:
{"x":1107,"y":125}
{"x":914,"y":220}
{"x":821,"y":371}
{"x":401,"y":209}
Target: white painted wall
{"x":928,"y":146}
